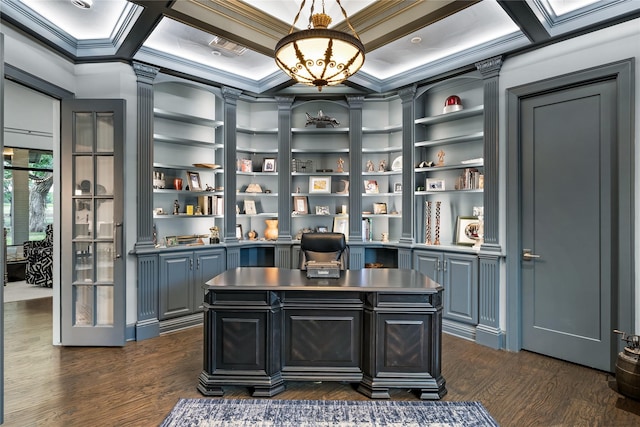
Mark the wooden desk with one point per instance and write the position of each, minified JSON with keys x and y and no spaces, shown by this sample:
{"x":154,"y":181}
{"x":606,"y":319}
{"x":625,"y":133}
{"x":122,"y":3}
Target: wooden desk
{"x":381,"y":328}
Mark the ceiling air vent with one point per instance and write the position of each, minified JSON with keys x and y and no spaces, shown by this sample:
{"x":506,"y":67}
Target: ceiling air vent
{"x":227,"y":46}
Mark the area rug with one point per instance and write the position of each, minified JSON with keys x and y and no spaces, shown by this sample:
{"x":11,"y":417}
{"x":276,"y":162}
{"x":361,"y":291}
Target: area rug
{"x":325,"y":413}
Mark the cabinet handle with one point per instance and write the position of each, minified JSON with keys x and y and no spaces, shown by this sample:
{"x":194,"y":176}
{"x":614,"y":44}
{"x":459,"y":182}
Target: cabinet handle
{"x":191,"y":264}
{"x":198,"y":264}
{"x":438,"y":265}
{"x":527,"y":255}
{"x":445,"y":266}
{"x":117,"y":254}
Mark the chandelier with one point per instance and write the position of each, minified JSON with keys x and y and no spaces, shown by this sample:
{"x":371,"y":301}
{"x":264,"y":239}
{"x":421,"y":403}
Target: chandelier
{"x":319,"y":56}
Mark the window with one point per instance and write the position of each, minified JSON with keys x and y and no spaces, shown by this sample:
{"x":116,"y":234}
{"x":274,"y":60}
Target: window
{"x":28,"y":188}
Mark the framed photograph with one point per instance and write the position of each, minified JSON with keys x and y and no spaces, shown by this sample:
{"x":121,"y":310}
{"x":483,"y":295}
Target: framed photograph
{"x":467,"y":228}
{"x":245,"y":165}
{"x":239,"y":234}
{"x":341,"y":225}
{"x":194,"y":181}
{"x":269,"y":165}
{"x":397,"y":187}
{"x":379,"y":208}
{"x":319,"y":184}
{"x":322,"y":229}
{"x":250,"y":207}
{"x":300,"y":205}
{"x":370,"y":186}
{"x":322,"y":210}
{"x":171,"y":240}
{"x":435,"y":184}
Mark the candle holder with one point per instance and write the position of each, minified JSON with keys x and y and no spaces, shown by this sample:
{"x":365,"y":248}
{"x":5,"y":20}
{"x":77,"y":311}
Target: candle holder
{"x":427,"y":239}
{"x":437,"y":241}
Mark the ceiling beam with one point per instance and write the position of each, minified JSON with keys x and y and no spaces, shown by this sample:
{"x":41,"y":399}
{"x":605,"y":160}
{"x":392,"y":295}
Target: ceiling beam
{"x":520,"y":12}
{"x":150,"y":17}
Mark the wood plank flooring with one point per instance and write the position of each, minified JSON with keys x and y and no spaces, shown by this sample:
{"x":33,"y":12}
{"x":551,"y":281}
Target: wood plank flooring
{"x":138,"y":385}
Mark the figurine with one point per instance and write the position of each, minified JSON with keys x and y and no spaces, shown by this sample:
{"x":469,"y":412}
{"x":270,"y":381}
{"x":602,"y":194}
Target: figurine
{"x":321,"y":121}
{"x":176,"y":207}
{"x":441,"y":158}
{"x":340,"y":165}
{"x":369,"y":166}
{"x":382,"y":166}
{"x":215,"y":235}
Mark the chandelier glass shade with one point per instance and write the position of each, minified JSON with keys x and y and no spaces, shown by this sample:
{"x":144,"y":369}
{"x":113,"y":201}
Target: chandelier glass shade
{"x":319,"y":56}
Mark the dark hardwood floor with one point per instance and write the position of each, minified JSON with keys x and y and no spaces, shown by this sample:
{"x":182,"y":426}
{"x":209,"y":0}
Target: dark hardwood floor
{"x":138,"y":385}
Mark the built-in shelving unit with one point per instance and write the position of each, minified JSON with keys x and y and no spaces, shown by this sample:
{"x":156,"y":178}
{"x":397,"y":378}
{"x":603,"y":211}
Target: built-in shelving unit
{"x":188,"y":194}
{"x":448,"y":155}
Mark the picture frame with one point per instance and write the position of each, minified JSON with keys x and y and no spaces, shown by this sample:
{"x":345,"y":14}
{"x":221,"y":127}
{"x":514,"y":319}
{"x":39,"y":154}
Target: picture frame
{"x":269,"y":165}
{"x":397,"y":187}
{"x":171,"y":241}
{"x":341,"y":225}
{"x":194,"y":181}
{"x":300,"y":205}
{"x":371,"y":186}
{"x":245,"y":165}
{"x":322,"y":210}
{"x":250,"y":207}
{"x":467,"y":228}
{"x":435,"y":185}
{"x":239,"y":234}
{"x":322,"y":229}
{"x":320,"y":184}
{"x":379,"y":208}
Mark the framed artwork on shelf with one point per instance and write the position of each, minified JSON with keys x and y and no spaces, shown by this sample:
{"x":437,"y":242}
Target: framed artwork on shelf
{"x":171,"y":240}
{"x":397,"y":187}
{"x":341,"y":225}
{"x":239,"y":234}
{"x":319,"y":184}
{"x":245,"y":165}
{"x":370,"y":186}
{"x":435,"y":184}
{"x":322,"y":210}
{"x":250,"y":207}
{"x":194,"y":181}
{"x":467,"y":228}
{"x":322,"y":229}
{"x":379,"y":208}
{"x":300,"y":205}
{"x":269,"y":165}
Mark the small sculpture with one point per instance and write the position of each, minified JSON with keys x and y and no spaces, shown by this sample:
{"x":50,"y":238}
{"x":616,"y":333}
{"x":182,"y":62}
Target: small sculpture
{"x":382,"y":166}
{"x":321,"y":120}
{"x":440,"y":158}
{"x":340,"y":167}
{"x":176,"y":207}
{"x":215,"y":235}
{"x":369,"y":166}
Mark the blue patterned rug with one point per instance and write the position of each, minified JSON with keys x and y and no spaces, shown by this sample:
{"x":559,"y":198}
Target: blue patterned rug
{"x":326,"y":413}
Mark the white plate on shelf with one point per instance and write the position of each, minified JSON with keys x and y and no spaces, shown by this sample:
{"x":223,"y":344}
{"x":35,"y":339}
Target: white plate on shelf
{"x":397,"y":164}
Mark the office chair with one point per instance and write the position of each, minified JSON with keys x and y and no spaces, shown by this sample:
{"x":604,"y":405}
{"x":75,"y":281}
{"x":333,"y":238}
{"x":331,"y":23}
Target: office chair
{"x":323,"y":247}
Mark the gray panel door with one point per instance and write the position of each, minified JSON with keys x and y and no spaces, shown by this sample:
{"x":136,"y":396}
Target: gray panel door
{"x":568,"y":187}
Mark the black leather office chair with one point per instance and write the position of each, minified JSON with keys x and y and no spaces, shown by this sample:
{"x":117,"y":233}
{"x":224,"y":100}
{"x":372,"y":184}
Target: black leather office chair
{"x":323,"y":247}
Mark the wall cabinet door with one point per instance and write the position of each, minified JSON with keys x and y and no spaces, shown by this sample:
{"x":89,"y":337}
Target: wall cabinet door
{"x":176,"y":284}
{"x":458,"y":273}
{"x":208,"y":265}
{"x":460,"y":280}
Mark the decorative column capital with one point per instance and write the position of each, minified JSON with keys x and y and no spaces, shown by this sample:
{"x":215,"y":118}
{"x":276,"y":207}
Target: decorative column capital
{"x":408,"y":93}
{"x":231,"y":94}
{"x":490,"y":67}
{"x":284,"y":102}
{"x":145,"y":73}
{"x":355,"y":101}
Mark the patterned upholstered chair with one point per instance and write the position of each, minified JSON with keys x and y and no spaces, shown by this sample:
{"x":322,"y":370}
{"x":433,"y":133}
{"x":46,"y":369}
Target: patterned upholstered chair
{"x":39,"y":255}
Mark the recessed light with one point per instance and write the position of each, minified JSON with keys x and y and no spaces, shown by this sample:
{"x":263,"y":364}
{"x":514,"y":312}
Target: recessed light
{"x":215,"y":53}
{"x":416,"y":40}
{"x":82,"y":4}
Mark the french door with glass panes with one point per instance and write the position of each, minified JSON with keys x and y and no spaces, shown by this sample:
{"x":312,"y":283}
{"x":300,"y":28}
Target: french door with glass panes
{"x":93,"y":267}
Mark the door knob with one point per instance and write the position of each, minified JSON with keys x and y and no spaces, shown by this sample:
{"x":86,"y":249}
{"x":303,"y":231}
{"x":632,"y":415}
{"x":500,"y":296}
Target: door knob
{"x":527,"y":255}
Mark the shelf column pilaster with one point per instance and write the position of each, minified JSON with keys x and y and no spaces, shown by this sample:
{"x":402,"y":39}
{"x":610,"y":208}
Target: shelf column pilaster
{"x":407,"y":96}
{"x":230,"y":109}
{"x":355,"y":167}
{"x":145,"y":76}
{"x":284,"y":168}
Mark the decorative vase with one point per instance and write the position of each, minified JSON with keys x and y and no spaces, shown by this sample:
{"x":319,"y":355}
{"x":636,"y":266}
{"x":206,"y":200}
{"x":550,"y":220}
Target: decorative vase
{"x":271,"y":232}
{"x":177,"y":183}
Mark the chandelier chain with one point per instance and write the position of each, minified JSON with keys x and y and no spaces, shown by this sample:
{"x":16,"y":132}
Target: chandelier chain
{"x":344,"y":13}
{"x":293,"y":25}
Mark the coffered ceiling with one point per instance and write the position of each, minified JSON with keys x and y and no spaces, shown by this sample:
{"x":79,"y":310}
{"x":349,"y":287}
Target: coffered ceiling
{"x":231,"y":42}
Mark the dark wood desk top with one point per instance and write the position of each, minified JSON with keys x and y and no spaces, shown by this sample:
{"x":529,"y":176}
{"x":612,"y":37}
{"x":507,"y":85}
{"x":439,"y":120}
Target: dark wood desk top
{"x":282,"y":279}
